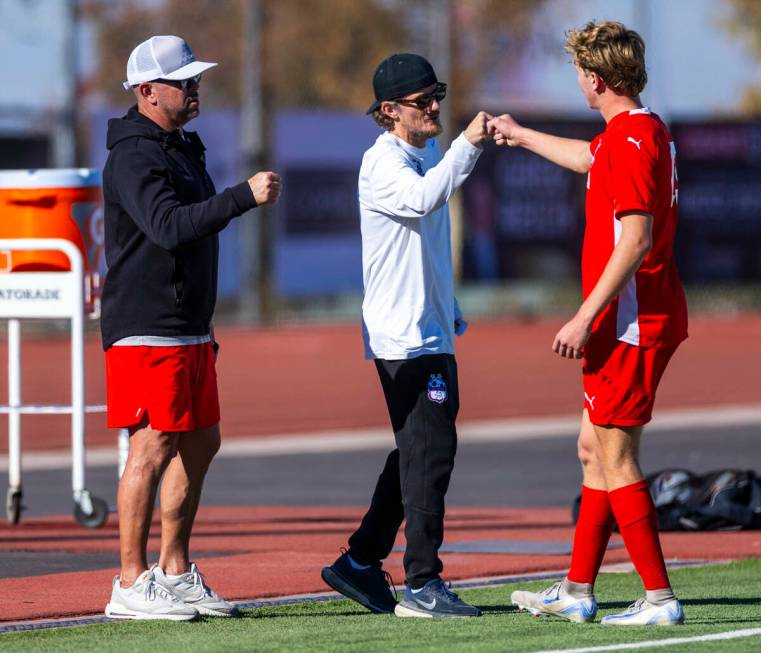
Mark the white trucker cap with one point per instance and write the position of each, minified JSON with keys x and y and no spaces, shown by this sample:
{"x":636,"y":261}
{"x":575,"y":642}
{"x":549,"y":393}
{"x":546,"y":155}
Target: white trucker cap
{"x":163,"y":57}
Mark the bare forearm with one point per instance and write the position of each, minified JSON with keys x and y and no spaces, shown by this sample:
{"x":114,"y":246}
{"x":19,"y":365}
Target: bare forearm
{"x":621,"y":267}
{"x":633,"y":245}
{"x":623,"y":263}
{"x":566,"y":152}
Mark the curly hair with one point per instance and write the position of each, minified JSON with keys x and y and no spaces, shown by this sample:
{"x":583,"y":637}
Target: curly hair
{"x":383,"y":121}
{"x":615,"y":53}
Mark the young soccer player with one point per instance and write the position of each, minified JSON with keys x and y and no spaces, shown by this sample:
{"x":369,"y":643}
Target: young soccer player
{"x":631,"y":321}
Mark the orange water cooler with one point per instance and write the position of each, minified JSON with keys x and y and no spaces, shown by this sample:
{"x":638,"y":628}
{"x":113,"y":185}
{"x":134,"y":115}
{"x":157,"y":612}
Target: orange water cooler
{"x":51,"y":262}
{"x":56,"y":203}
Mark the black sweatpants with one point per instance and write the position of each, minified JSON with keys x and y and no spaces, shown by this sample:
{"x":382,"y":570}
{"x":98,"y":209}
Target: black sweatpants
{"x":423,"y":400}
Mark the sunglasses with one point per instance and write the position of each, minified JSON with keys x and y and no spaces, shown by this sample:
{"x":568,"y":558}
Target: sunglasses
{"x":182,"y":84}
{"x":425,"y":101}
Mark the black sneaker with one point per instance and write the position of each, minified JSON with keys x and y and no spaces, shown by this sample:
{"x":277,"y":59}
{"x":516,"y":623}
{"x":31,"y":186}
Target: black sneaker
{"x":368,"y":587}
{"x":434,"y":599}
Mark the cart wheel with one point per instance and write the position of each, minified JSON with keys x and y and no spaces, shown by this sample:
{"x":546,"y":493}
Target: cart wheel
{"x":96,"y":518}
{"x":13,"y":506}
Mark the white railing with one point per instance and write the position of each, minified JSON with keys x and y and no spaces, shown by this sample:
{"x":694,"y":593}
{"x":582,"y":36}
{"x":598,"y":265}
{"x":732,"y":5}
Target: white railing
{"x":48,"y":295}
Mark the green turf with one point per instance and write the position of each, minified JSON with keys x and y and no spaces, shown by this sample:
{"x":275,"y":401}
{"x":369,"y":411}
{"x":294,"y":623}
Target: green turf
{"x":717,"y":598}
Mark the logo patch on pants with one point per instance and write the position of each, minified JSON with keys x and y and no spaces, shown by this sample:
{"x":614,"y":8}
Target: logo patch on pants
{"x":437,"y":389}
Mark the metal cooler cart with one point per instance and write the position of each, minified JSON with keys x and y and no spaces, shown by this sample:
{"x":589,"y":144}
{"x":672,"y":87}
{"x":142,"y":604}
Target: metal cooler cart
{"x":51,"y":295}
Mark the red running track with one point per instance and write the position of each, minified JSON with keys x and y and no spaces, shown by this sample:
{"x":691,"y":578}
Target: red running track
{"x":296,"y":379}
{"x":263,"y":552}
{"x":309,"y":378}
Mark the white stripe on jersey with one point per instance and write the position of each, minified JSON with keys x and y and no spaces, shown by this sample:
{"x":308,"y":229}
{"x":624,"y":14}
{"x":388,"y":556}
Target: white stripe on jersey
{"x":627,"y":318}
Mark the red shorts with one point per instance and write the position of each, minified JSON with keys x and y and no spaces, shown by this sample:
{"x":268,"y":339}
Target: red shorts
{"x":620,"y":381}
{"x":175,"y":387}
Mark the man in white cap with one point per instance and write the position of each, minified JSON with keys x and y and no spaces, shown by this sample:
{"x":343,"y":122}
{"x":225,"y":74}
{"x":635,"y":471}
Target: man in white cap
{"x":162,"y":217}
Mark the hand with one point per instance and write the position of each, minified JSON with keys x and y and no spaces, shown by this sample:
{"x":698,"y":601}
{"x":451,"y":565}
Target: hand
{"x":265,"y":186}
{"x":570,"y":340}
{"x":504,"y":129}
{"x":477,"y":132}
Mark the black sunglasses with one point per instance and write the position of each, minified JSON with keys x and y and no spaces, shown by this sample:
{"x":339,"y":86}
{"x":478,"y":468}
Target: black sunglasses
{"x":425,"y":101}
{"x":180,"y":83}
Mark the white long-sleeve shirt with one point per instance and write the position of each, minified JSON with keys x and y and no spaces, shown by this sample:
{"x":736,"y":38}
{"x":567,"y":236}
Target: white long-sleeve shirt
{"x":409,"y":307}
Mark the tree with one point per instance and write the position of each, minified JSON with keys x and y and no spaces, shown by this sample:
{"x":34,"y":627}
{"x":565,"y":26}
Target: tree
{"x":745,"y":22}
{"x":489,"y":35}
{"x":317,"y":53}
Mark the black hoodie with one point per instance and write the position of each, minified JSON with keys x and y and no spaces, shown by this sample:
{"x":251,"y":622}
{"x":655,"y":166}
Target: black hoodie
{"x":162,"y":217}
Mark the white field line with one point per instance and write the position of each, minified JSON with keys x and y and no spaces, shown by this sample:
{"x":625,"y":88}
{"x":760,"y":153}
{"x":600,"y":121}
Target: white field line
{"x":653,"y":643}
{"x":473,"y":431}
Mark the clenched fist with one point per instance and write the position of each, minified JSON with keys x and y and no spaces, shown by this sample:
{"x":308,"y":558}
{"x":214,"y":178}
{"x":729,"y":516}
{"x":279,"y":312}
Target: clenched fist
{"x":505,"y":130}
{"x":477,"y":131}
{"x":265,"y":186}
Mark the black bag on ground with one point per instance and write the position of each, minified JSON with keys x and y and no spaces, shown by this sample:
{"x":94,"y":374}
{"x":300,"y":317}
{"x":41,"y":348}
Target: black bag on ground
{"x":728,"y":499}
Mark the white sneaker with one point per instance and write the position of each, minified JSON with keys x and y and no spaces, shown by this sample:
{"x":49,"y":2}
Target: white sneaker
{"x":643,"y":613}
{"x":191,"y":588}
{"x":556,"y":601}
{"x":145,"y":599}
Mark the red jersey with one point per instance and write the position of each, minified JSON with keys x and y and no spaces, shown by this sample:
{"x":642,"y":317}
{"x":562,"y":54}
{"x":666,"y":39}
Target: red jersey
{"x":634,"y":169}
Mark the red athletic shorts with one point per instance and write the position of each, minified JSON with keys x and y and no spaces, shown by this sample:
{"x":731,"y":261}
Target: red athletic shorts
{"x":620,"y":381}
{"x":176,"y":387}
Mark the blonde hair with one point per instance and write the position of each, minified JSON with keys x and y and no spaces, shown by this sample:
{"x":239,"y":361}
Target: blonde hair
{"x":383,"y":120}
{"x":615,"y":53}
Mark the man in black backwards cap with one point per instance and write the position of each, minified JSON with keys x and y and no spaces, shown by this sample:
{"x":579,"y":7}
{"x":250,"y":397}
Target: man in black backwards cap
{"x":409,"y":319}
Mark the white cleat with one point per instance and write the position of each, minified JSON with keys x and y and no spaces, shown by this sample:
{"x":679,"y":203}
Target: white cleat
{"x":557,"y":602}
{"x":642,"y":613}
{"x":191,"y":588}
{"x":146,"y":599}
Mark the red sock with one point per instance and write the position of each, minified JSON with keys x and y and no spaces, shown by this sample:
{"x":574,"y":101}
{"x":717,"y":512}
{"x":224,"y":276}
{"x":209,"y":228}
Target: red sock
{"x":636,"y":516}
{"x":591,"y":537}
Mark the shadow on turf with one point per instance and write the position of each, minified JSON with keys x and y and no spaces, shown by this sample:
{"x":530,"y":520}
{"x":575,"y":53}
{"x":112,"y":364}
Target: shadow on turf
{"x":497,"y":609}
{"x":251,"y":613}
{"x":254,"y":613}
{"x":688,"y":602}
{"x":723,"y":601}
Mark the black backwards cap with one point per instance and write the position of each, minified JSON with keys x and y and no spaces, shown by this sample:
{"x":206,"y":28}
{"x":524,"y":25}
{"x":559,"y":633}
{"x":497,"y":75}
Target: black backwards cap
{"x":400,"y":75}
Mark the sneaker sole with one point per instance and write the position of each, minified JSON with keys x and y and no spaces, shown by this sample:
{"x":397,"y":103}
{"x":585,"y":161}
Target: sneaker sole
{"x":537,"y":612}
{"x":648,"y":623}
{"x":209,"y":612}
{"x":344,"y":587}
{"x":405,"y":611}
{"x":116,"y":611}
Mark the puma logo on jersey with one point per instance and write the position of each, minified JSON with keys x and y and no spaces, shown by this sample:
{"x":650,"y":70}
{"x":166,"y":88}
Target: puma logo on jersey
{"x":631,"y":140}
{"x":591,"y":400}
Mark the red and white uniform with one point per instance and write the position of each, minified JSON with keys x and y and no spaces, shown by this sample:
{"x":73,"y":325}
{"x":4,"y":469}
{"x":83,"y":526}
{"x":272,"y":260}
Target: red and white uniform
{"x":633,"y":171}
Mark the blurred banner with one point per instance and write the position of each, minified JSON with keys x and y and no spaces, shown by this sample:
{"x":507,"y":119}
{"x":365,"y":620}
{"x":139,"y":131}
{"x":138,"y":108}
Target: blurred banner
{"x":719,"y":236}
{"x":317,"y":247}
{"x":525,"y":216}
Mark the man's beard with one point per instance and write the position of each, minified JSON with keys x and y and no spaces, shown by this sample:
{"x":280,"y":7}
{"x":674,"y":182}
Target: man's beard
{"x":430,"y":130}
